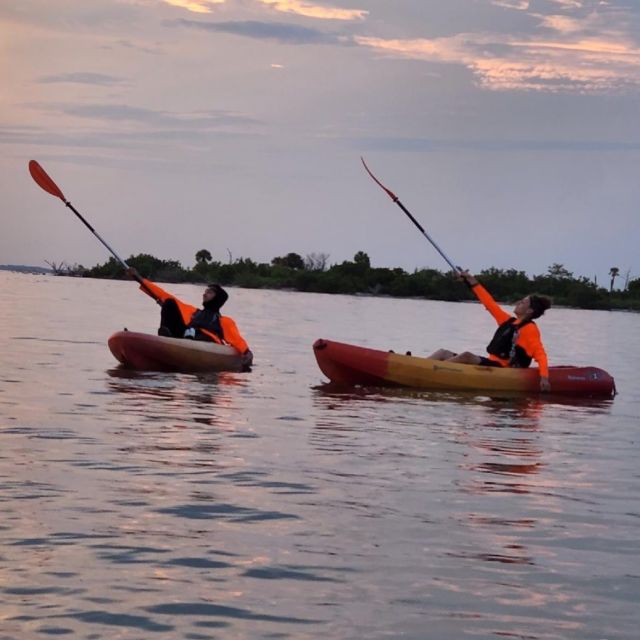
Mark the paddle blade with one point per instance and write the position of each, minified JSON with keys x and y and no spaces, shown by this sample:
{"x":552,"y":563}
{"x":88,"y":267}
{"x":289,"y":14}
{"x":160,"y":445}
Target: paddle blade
{"x":390,"y":193}
{"x":44,"y":181}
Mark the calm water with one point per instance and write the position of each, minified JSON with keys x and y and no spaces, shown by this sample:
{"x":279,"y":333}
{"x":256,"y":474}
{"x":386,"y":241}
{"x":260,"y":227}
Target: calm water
{"x":262,"y":505}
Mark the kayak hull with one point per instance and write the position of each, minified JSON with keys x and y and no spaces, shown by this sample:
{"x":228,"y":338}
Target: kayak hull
{"x":351,"y":365}
{"x":147,"y":352}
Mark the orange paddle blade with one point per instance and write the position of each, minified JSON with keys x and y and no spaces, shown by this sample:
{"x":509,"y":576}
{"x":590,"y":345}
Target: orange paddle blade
{"x":390,"y":193}
{"x":44,"y":181}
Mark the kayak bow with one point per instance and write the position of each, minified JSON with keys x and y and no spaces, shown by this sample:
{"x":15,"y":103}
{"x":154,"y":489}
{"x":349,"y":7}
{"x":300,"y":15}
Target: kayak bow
{"x":158,"y":353}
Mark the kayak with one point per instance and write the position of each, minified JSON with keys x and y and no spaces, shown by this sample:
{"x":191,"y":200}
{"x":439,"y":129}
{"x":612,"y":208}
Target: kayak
{"x":159,"y":353}
{"x":348,"y":364}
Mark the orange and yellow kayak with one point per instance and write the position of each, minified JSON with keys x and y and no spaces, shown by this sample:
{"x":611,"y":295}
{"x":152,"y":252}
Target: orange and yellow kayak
{"x":349,"y":364}
{"x":157,"y":353}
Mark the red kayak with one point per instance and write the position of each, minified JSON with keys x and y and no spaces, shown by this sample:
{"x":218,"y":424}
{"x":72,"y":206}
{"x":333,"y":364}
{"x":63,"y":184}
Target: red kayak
{"x":351,"y":365}
{"x":158,"y":353}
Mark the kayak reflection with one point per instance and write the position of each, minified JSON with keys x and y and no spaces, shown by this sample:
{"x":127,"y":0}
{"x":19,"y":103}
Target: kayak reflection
{"x":386,"y":394}
{"x":491,"y":473}
{"x":178,"y":398}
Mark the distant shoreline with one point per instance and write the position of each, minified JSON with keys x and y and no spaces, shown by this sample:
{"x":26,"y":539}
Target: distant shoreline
{"x":33,"y":270}
{"x":23,"y":268}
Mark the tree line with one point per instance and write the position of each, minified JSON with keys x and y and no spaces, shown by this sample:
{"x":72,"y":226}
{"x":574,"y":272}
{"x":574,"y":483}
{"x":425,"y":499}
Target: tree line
{"x":314,"y":274}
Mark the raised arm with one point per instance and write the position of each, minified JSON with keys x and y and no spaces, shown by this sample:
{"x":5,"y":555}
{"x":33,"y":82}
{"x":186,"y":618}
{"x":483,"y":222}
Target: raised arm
{"x":485,"y":297}
{"x":160,"y":295}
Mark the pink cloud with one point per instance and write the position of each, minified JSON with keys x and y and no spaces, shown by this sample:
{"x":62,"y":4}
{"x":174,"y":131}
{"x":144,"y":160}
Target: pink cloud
{"x":308,"y":10}
{"x":592,"y":54}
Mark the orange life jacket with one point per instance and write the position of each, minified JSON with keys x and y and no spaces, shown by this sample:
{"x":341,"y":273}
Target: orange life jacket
{"x":229,"y":329}
{"x":528,"y":333}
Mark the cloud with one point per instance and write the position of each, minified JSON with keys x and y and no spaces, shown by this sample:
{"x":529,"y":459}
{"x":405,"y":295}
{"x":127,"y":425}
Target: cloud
{"x":165,"y":146}
{"x":200,"y":120}
{"x":128,"y":44}
{"x":71,"y":16}
{"x":195,"y":6}
{"x":98,"y":79}
{"x":297,"y":7}
{"x":562,"y":24}
{"x":520,"y":5}
{"x":119,"y":126}
{"x":282,"y":32}
{"x":315,"y":11}
{"x":110,"y":125}
{"x":433,"y":145}
{"x":590,"y":54}
{"x":570,"y":4}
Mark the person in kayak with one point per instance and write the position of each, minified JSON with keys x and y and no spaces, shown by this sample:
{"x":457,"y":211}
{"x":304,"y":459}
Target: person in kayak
{"x":181,"y":320}
{"x":517,"y":340}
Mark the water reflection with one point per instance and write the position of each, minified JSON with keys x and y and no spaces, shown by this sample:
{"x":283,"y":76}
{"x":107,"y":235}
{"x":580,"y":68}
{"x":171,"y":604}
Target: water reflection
{"x":382,"y":394}
{"x":175,"y":506}
{"x":175,"y":420}
{"x":204,"y":398}
{"x":494,"y":461}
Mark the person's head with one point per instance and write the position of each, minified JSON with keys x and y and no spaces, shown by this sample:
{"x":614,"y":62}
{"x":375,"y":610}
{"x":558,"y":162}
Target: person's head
{"x":532,"y":306}
{"x":538,"y":305}
{"x":214,"y":296}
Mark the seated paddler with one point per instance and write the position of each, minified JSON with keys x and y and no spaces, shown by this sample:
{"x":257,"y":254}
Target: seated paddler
{"x":181,"y":320}
{"x":517,"y":340}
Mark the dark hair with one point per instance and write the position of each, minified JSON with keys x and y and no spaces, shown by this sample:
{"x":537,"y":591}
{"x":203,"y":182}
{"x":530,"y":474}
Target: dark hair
{"x":221,"y":294}
{"x":538,"y":304}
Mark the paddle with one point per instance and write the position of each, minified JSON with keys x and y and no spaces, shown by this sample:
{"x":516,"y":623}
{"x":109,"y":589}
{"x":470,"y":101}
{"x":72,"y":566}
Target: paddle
{"x":44,"y":181}
{"x":395,"y":198}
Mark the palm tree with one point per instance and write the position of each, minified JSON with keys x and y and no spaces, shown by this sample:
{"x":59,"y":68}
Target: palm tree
{"x":362,"y":259}
{"x":203,"y":256}
{"x":613,"y":272}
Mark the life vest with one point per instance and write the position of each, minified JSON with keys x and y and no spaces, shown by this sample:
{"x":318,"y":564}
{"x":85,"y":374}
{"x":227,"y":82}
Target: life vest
{"x":503,"y":344}
{"x":207,"y":322}
{"x":227,"y":326}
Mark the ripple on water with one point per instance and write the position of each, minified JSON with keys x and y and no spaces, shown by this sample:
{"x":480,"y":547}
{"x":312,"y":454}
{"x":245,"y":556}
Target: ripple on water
{"x":222,"y":511}
{"x":203,"y":609}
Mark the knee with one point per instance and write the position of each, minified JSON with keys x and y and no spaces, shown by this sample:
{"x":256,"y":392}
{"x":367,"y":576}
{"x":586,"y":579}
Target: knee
{"x":466,"y":357}
{"x":442,"y":354}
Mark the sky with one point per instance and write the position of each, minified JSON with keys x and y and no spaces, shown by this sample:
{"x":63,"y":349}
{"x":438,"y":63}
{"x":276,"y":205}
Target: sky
{"x":509,"y":128}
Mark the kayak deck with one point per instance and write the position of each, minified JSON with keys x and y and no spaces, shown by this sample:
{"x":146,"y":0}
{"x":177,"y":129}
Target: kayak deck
{"x":353,"y":365}
{"x":147,"y":352}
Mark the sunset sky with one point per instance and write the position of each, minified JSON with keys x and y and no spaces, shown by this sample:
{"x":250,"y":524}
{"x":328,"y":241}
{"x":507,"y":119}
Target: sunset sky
{"x":510,"y":129}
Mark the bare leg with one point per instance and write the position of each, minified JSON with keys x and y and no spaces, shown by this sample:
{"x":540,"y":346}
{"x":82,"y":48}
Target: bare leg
{"x":442,"y":354}
{"x":466,"y":357}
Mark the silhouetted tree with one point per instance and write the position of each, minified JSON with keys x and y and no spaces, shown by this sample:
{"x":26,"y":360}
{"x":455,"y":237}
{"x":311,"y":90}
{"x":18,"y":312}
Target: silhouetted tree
{"x":64,"y":269}
{"x":203,"y":256}
{"x":291,"y":260}
{"x":557,"y":270}
{"x":362,"y":259}
{"x":634,"y":288}
{"x":316,"y":261}
{"x":358,"y":276}
{"x":613,"y":272}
